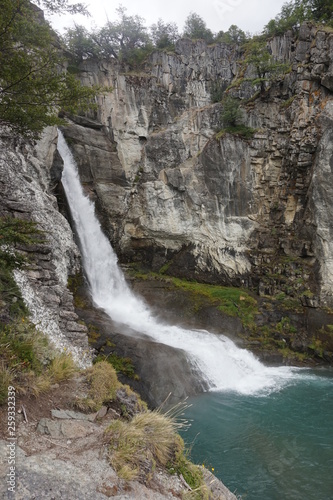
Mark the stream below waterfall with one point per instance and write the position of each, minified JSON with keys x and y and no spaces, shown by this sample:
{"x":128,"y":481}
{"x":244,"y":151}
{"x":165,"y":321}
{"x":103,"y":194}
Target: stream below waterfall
{"x":276,"y":447}
{"x":251,"y":422}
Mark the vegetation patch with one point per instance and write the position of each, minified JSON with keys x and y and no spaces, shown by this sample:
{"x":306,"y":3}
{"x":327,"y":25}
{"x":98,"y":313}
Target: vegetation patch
{"x":317,"y":347}
{"x":120,"y":364}
{"x":232,"y":120}
{"x":75,"y":284}
{"x":236,"y":302}
{"x":232,"y":301}
{"x":192,"y":474}
{"x":148,"y":441}
{"x":28,"y":361}
{"x":284,"y":337}
{"x":288,"y":102}
{"x":33,"y":87}
{"x":136,"y":447}
{"x":240,"y":130}
{"x":103,"y":382}
{"x":16,"y":236}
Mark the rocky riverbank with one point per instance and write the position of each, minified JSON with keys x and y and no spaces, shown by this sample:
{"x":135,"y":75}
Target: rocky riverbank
{"x":61,"y":452}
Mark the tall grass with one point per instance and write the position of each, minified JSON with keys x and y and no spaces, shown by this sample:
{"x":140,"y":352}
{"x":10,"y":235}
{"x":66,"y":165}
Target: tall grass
{"x":28,"y":361}
{"x":151,"y":440}
{"x":136,"y":447}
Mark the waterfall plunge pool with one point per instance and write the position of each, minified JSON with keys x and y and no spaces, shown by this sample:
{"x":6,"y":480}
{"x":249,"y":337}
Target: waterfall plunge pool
{"x":269,"y":447}
{"x":265,"y":430}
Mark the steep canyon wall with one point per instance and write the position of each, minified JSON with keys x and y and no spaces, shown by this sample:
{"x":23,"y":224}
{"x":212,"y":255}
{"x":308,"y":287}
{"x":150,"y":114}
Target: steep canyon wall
{"x":28,"y":175}
{"x":174,"y":194}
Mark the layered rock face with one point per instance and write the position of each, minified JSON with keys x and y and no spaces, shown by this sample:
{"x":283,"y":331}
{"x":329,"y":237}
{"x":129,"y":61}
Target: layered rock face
{"x":27,"y":176}
{"x":174,"y":194}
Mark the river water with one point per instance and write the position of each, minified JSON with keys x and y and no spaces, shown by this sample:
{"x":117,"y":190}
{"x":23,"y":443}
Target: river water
{"x":268,"y":447}
{"x":244,"y":420}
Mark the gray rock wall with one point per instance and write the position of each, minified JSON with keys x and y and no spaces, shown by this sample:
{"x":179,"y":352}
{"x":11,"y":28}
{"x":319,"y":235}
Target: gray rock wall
{"x":225,"y":209}
{"x":26,"y":177}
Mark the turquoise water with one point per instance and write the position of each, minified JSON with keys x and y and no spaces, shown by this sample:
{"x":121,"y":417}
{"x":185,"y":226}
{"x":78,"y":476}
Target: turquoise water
{"x":277,"y":446}
{"x":273,"y":447}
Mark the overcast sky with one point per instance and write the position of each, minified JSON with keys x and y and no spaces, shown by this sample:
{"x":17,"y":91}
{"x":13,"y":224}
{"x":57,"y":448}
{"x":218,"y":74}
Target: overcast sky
{"x":249,"y":15}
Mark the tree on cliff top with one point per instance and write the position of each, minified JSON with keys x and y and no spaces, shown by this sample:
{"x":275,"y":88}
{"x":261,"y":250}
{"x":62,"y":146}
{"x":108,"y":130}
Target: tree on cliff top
{"x":81,"y":43}
{"x":196,"y":28}
{"x":62,"y":7}
{"x":234,"y":36}
{"x":266,"y":68}
{"x":33,"y":83}
{"x":164,"y":35}
{"x":123,"y":39}
{"x":297,"y":11}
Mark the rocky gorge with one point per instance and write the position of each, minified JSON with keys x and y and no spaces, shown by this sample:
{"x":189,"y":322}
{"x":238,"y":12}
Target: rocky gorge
{"x":190,"y":209}
{"x":29,"y":175}
{"x":175,"y":193}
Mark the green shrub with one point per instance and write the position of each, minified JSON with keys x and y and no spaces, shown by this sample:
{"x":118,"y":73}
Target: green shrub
{"x":231,"y":113}
{"x":241,"y":130}
{"x":120,"y":364}
{"x":217,"y":90}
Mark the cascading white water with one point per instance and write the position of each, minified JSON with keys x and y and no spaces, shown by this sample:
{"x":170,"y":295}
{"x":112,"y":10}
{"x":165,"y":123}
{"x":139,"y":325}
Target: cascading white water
{"x":223,"y":365}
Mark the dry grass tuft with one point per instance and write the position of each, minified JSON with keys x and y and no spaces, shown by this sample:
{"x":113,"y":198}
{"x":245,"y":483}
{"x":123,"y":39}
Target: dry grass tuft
{"x":62,"y":367}
{"x":103,"y":383}
{"x":35,"y":384}
{"x":200,"y":493}
{"x":136,"y":446}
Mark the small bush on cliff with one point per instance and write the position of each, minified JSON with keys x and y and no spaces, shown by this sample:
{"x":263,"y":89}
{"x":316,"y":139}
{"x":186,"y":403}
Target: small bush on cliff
{"x":231,"y":115}
{"x":231,"y":119}
{"x":264,"y":67}
{"x":297,"y":11}
{"x":217,"y":90}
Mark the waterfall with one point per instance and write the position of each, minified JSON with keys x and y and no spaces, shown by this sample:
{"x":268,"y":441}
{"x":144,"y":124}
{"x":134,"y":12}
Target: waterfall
{"x":222,"y":364}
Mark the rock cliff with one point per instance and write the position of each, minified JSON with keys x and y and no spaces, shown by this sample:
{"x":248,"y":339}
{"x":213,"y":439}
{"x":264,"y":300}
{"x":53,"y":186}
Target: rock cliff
{"x":27,"y":176}
{"x":173,"y":193}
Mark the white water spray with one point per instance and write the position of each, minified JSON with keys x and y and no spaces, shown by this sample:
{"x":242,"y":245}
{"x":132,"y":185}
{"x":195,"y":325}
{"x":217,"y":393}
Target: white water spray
{"x":222,"y":363}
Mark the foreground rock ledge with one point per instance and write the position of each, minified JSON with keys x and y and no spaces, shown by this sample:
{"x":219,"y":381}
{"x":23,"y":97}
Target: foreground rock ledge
{"x":64,"y":456}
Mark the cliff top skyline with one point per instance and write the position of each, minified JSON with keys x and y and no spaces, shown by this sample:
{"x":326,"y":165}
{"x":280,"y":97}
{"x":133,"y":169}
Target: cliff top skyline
{"x":249,"y":15}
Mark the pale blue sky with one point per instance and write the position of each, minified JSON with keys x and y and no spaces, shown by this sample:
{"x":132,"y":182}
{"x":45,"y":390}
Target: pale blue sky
{"x":249,"y":15}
